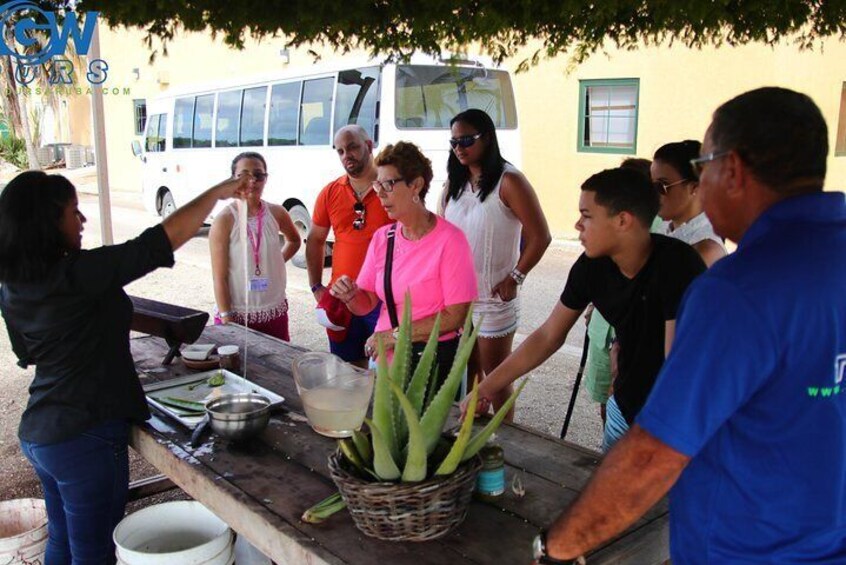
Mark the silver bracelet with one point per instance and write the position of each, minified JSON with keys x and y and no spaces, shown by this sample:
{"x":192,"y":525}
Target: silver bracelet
{"x":224,"y":314}
{"x":517,"y":276}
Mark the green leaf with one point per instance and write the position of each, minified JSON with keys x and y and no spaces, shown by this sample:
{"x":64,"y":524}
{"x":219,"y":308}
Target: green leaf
{"x":384,"y":464}
{"x":362,"y":445}
{"x":401,"y":368}
{"x":478,"y":441}
{"x":415,"y":462}
{"x":383,"y":401}
{"x":454,"y":457}
{"x":437,"y":412}
{"x":416,"y":390}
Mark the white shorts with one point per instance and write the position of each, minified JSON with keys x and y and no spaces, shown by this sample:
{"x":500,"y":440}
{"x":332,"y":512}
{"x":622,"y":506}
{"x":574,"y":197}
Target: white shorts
{"x":500,"y":318}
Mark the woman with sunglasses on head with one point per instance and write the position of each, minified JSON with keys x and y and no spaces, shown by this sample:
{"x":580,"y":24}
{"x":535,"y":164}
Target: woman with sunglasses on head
{"x":493,"y":204}
{"x":66,"y":313}
{"x":677,"y":183}
{"x":257,"y":246}
{"x":421,"y":253}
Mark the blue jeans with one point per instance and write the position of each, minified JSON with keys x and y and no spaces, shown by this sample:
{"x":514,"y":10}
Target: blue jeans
{"x":615,"y":425}
{"x":85,"y":481}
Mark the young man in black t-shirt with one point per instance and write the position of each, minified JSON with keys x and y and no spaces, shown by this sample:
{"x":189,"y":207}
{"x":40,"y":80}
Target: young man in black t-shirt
{"x":635,"y":279}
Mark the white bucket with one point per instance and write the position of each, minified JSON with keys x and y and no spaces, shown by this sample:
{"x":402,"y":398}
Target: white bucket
{"x":23,"y":531}
{"x":173,"y":533}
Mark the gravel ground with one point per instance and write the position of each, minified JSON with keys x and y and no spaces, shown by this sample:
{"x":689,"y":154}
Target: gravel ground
{"x":541,"y":406}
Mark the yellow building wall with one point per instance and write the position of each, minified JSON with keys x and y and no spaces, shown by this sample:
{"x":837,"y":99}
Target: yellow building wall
{"x":679,"y":89}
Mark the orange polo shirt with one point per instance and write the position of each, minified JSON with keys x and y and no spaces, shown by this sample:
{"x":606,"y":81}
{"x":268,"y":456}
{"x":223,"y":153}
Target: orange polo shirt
{"x":334,"y":209}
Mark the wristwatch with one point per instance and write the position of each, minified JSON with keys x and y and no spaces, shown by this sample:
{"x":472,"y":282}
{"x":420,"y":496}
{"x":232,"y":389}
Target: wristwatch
{"x":540,"y":555}
{"x":517,"y":276}
{"x":315,"y":287}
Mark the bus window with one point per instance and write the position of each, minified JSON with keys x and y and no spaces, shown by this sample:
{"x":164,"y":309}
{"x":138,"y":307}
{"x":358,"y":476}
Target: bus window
{"x":315,"y":111}
{"x":356,"y":99}
{"x":429,"y":96}
{"x":151,"y":136}
{"x":183,"y":121}
{"x":284,"y":104}
{"x":228,"y":114}
{"x":252,"y":117}
{"x":162,"y":132}
{"x":203,"y":121}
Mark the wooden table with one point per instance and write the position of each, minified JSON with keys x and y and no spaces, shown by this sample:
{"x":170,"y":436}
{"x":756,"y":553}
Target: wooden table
{"x":262,"y":488}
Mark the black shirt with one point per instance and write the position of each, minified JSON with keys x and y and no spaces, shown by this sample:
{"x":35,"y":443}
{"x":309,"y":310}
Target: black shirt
{"x":637,"y":309}
{"x":74,"y":327}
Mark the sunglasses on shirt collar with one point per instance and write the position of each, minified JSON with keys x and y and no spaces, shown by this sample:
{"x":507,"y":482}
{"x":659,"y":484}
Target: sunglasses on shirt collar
{"x":358,"y":222}
{"x":464,"y":141}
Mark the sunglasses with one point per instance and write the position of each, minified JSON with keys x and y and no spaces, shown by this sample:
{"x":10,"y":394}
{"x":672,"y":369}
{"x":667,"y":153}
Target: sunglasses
{"x":699,"y":163}
{"x":664,"y":187}
{"x":464,"y":141}
{"x":358,"y":222}
{"x":259,"y":176}
{"x":385,"y":185}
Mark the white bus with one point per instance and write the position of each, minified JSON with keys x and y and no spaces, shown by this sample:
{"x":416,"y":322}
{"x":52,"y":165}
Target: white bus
{"x":290,"y":117}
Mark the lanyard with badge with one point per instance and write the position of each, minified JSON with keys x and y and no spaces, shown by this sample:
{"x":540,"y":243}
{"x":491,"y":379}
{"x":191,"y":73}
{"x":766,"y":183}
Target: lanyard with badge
{"x":258,"y":283}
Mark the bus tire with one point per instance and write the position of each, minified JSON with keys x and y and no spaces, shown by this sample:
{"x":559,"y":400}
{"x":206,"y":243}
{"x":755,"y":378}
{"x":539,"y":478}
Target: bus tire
{"x":167,"y":206}
{"x":302,"y":221}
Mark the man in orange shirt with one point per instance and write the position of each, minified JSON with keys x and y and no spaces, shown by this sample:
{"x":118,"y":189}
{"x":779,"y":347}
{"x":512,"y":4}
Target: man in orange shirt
{"x":350,"y":208}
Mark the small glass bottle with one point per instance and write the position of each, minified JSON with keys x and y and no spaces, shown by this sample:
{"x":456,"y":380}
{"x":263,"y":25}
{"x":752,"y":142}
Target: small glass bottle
{"x":490,"y":482}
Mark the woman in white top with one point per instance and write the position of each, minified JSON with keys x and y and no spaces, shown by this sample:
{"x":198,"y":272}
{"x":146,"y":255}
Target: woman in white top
{"x":248,"y":260}
{"x":681,"y":208}
{"x":493,"y":204}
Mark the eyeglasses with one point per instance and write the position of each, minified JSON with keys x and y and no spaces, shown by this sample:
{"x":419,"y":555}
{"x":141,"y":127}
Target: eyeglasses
{"x":664,"y":187}
{"x":464,"y":141}
{"x":699,"y":163}
{"x":259,"y":176}
{"x":358,"y":222}
{"x":386,"y":185}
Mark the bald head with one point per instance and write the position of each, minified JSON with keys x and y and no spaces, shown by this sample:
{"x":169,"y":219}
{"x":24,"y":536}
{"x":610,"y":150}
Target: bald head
{"x":352,"y":130}
{"x":355,"y":150}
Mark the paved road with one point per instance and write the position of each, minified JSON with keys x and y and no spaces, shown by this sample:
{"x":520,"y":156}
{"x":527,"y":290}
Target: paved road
{"x":544,"y":400}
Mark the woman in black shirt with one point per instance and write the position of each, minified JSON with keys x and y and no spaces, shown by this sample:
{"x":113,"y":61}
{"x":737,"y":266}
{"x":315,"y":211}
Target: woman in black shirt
{"x":67,"y":314}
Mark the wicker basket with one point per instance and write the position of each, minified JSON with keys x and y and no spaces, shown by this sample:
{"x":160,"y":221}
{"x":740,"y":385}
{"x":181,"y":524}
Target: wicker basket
{"x":406,"y":511}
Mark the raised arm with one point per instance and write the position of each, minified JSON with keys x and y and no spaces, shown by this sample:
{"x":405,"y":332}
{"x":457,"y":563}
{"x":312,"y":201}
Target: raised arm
{"x":183,"y":224}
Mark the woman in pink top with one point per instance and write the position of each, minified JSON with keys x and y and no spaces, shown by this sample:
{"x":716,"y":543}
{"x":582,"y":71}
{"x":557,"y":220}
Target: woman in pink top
{"x":431,"y":259}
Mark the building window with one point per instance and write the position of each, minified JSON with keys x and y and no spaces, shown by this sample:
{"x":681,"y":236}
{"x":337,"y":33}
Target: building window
{"x":840,"y":144}
{"x":608,"y":115}
{"x":140,"y":112}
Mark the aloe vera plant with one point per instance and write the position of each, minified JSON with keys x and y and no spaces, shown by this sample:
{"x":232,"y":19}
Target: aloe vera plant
{"x":409,"y":414}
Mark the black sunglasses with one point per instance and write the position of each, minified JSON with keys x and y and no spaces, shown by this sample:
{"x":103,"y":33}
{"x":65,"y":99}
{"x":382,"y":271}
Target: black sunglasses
{"x":464,"y":141}
{"x":664,"y":187}
{"x":358,"y":222}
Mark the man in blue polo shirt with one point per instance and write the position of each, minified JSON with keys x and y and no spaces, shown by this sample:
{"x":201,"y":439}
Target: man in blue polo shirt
{"x":747,"y":420}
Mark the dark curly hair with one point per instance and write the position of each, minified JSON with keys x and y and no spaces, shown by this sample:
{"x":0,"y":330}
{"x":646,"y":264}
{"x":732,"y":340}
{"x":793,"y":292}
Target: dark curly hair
{"x":492,"y":161}
{"x":409,"y":162}
{"x":31,"y":241}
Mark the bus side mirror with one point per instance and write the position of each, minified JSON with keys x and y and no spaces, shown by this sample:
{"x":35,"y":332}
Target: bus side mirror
{"x":136,"y":147}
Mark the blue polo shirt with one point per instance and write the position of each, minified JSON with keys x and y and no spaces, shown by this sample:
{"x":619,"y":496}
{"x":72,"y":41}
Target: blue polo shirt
{"x":754,"y":390}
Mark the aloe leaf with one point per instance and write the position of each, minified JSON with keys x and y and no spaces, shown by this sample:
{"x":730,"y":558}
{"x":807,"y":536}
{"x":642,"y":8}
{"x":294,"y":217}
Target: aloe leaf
{"x":433,"y":383}
{"x":400,"y":368}
{"x":436,"y":413}
{"x":415,"y":461}
{"x":416,"y":391}
{"x":351,"y":453}
{"x":383,"y":401}
{"x":453,"y":458}
{"x":323,"y":509}
{"x":383,"y":463}
{"x":362,"y":445}
{"x":478,"y":441}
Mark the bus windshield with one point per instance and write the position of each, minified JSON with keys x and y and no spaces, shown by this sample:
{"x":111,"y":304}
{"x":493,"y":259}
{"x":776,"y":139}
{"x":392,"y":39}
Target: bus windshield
{"x":427,"y":97}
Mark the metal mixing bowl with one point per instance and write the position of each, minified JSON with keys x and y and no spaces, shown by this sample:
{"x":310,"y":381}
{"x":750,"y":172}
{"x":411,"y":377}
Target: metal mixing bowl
{"x":238,"y":416}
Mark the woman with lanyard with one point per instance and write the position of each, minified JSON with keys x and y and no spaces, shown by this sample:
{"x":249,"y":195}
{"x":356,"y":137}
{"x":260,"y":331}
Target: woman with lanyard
{"x":264,"y":281}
